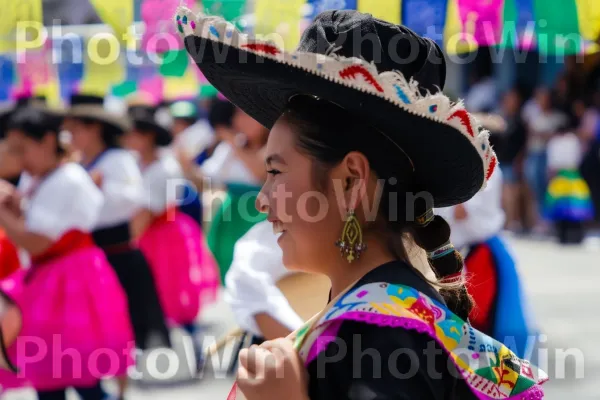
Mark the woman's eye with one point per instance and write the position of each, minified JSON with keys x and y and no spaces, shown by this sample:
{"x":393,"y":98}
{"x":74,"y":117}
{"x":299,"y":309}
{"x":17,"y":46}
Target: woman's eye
{"x":273,"y":172}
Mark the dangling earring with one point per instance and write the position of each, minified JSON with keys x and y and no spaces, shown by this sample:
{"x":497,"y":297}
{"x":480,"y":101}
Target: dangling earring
{"x":351,"y":244}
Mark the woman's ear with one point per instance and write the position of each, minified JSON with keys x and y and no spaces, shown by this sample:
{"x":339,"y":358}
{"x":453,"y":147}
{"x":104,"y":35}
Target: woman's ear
{"x":357,"y":173}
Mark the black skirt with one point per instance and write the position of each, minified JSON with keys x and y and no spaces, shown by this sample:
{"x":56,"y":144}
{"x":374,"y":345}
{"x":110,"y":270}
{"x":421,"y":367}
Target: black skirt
{"x":145,"y":311}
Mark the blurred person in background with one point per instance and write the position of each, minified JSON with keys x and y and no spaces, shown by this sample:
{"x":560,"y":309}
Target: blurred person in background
{"x":68,"y":290}
{"x":185,"y":272}
{"x":237,"y":165}
{"x":491,"y":273}
{"x":509,"y":146}
{"x":193,"y":137}
{"x":97,"y":134}
{"x":10,"y":170}
{"x":542,"y":121}
{"x":568,"y":202}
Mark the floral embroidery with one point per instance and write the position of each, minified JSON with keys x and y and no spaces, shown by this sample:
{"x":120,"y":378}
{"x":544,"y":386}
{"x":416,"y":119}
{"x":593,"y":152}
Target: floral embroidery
{"x":214,"y":31}
{"x":402,"y":95}
{"x":352,"y":71}
{"x":463,"y":115}
{"x":264,"y":48}
{"x":491,"y":369}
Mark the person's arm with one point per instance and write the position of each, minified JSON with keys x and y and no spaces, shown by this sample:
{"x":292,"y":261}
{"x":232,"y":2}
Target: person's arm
{"x":140,"y":222}
{"x":270,"y":327}
{"x":121,"y":182}
{"x":15,"y":229}
{"x":257,"y":303}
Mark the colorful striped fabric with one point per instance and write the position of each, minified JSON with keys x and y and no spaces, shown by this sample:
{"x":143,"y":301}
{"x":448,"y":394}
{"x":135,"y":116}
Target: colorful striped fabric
{"x":568,"y":198}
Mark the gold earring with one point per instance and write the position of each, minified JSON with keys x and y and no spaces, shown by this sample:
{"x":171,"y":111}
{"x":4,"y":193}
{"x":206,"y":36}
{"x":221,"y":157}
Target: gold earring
{"x":351,"y":244}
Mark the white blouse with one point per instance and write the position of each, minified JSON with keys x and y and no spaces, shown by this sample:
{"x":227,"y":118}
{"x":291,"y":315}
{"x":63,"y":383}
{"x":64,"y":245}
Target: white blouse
{"x":162,"y":184}
{"x":564,"y":152}
{"x":251,"y":280}
{"x":121,"y":185}
{"x":485,"y":216}
{"x":65,"y":200}
{"x":224,"y":167}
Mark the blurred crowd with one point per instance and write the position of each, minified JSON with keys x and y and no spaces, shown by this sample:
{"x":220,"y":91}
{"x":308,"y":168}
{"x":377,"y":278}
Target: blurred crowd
{"x":538,"y":133}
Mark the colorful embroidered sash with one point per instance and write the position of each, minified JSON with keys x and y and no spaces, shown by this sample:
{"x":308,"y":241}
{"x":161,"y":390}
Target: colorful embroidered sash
{"x":492,"y":370}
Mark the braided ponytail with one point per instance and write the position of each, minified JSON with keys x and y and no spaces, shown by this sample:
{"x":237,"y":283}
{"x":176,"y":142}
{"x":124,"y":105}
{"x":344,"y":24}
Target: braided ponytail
{"x":447,"y":266}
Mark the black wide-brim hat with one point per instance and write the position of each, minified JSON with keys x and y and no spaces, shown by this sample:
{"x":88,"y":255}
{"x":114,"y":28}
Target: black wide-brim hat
{"x":92,"y":107}
{"x":344,"y":57}
{"x":147,"y":118}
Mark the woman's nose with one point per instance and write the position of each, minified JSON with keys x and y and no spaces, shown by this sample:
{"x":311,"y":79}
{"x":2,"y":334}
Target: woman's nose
{"x":262,"y":202}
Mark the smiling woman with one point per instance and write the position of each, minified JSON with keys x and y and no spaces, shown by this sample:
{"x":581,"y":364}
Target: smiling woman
{"x":363,"y":145}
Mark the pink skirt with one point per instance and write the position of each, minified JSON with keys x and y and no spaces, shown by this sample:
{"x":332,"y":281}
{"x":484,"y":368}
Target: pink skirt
{"x":76,"y":327}
{"x":185,"y":271}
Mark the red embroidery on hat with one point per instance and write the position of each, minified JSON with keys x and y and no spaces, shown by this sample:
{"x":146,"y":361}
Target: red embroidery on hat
{"x":351,"y":72}
{"x":463,"y":115}
{"x":491,"y":168}
{"x":263,"y":48}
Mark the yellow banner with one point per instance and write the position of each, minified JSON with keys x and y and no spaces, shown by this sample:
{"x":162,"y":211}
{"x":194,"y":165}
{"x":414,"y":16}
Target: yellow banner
{"x":386,"y":10}
{"x":116,"y":13}
{"x":455,"y":42}
{"x":20,"y":14}
{"x":588,"y":14}
{"x":279,"y":21}
{"x":103,"y":67}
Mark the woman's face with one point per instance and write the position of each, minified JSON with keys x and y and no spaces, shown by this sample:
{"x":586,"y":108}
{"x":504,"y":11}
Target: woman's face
{"x":35,"y":156}
{"x":138,"y":141}
{"x":307,"y":221}
{"x":84,"y":136}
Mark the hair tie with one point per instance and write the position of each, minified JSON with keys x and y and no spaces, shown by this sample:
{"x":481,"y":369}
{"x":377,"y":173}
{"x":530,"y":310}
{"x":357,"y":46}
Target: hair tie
{"x":424,"y":220}
{"x":441,"y":251}
{"x":452,"y":277}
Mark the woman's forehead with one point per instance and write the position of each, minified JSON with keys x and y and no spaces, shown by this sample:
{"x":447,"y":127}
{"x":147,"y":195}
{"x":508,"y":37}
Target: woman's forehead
{"x":281,"y":137}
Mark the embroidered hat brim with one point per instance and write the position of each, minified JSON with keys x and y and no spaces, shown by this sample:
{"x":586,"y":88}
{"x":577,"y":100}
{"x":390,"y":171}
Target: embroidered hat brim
{"x":451,"y":154}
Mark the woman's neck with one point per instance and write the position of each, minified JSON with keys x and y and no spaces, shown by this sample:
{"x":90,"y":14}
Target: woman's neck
{"x":47,"y":170}
{"x":90,"y":154}
{"x":343,"y":274}
{"x":147,"y":157}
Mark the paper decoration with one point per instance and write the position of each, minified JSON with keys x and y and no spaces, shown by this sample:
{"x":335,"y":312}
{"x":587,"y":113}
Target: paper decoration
{"x":482,"y":20}
{"x":425,"y":17}
{"x":318,"y":6}
{"x":588,"y":15}
{"x":231,"y":10}
{"x":557,"y":27}
{"x":14,"y":13}
{"x":7,"y":76}
{"x":101,"y":71}
{"x":519,"y":24}
{"x":118,"y":14}
{"x":33,"y":70}
{"x":174,"y":63}
{"x":180,"y":88}
{"x":387,"y":10}
{"x":159,"y":34}
{"x":279,"y":21}
{"x":152,"y":86}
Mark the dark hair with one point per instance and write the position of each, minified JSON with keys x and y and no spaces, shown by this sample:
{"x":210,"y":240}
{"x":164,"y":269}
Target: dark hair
{"x":221,"y":113}
{"x":327,"y":133}
{"x":110,"y":134}
{"x":36,"y":124}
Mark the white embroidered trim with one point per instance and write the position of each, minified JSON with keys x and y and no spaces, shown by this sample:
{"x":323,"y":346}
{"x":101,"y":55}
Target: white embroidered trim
{"x":351,"y":72}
